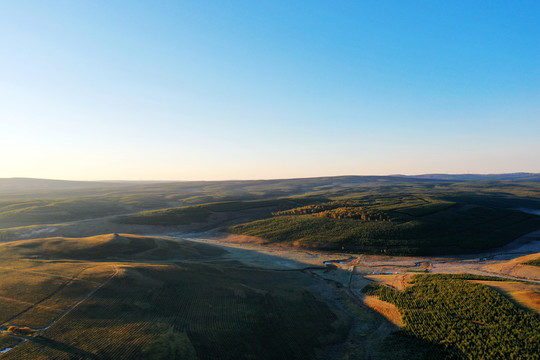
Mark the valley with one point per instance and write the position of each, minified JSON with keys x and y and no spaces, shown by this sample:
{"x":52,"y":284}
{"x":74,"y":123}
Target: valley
{"x":181,"y":282}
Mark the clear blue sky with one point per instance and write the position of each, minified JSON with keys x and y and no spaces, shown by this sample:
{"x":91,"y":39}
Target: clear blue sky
{"x":268,"y":89}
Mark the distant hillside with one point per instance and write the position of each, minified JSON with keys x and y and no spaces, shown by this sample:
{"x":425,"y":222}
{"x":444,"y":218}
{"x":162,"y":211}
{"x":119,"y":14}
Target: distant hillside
{"x":29,"y":185}
{"x":232,"y":188}
{"x":396,"y":213}
{"x":522,"y":176}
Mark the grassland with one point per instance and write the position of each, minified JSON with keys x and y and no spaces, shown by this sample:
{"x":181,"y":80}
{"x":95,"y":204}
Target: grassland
{"x":168,"y":299}
{"x":467,"y":320}
{"x":392,"y":215}
{"x":145,"y":297}
{"x":23,"y":212}
{"x":200,"y":213}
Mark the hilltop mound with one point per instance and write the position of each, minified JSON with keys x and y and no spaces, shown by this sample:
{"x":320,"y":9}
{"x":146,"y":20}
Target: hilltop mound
{"x":109,"y":247}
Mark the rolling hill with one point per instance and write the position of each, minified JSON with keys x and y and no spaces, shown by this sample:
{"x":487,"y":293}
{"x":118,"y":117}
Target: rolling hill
{"x":109,"y":247}
{"x":423,"y":215}
{"x":134,"y":297}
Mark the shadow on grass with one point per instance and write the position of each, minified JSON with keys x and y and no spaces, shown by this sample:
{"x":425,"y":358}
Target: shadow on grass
{"x":75,"y":353}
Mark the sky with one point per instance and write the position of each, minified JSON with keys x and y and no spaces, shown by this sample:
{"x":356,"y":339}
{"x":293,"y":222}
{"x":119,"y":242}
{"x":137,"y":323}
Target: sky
{"x":211,"y":90}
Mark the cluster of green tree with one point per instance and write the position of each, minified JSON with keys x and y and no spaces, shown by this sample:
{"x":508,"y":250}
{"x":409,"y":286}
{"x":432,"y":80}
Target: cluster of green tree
{"x":468,"y":320}
{"x":317,"y":208}
{"x":341,"y":209}
{"x":355,"y":213}
{"x":535,"y":262}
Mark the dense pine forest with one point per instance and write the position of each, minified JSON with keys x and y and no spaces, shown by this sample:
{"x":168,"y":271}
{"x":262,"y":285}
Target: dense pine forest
{"x":469,"y":320}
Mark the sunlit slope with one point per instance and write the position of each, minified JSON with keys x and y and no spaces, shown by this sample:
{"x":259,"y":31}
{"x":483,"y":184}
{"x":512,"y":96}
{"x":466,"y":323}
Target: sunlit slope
{"x":112,"y":247}
{"x":533,"y":260}
{"x":525,"y":267}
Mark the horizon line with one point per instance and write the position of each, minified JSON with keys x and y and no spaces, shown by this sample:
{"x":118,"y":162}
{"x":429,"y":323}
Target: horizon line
{"x":277,"y":178}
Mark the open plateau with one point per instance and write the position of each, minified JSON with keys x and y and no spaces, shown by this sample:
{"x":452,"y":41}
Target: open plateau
{"x":351,"y":267}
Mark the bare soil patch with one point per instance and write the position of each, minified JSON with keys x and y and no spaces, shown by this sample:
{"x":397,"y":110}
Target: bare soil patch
{"x":516,"y":268}
{"x":242,"y":239}
{"x":389,"y":311}
{"x":398,"y":282}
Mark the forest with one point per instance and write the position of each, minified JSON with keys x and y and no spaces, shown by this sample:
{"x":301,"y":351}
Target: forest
{"x":469,"y":321}
{"x":397,"y":223}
